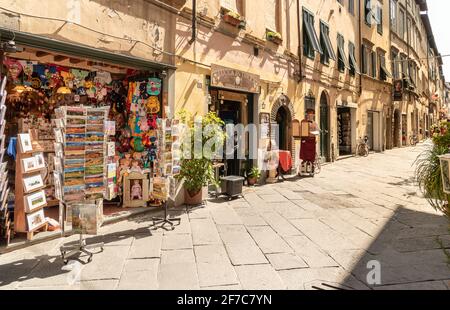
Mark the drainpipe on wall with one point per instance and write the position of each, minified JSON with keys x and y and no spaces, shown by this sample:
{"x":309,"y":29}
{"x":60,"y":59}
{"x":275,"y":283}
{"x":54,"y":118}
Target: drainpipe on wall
{"x":194,"y":22}
{"x":299,"y":30}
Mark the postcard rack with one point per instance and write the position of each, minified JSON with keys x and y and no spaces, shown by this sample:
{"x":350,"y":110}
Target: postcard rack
{"x":5,"y":222}
{"x":28,"y":219}
{"x":167,"y":166}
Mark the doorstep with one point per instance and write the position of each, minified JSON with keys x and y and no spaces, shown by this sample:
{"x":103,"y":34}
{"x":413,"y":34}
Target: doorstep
{"x":22,"y":242}
{"x":344,"y":157}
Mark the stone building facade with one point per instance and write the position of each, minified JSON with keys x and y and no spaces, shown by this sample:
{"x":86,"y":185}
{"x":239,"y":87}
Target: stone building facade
{"x":265,"y":61}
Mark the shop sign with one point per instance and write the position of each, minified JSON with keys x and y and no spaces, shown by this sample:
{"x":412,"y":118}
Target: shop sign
{"x":398,"y":90}
{"x":346,"y":104}
{"x":233,"y":79}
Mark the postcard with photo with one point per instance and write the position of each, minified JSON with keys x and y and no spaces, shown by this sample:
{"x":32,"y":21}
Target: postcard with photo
{"x":2,"y":113}
{"x":35,"y":201}
{"x":72,"y":189}
{"x":35,"y":220}
{"x":29,"y":164}
{"x":75,"y":130}
{"x":25,"y":142}
{"x":84,"y":219}
{"x":75,"y":111}
{"x":40,"y":160}
{"x":91,"y":170}
{"x":32,"y":183}
{"x":111,"y":147}
{"x":57,"y":181}
{"x":2,"y":129}
{"x":59,"y":152}
{"x":59,"y":137}
{"x":110,"y":128}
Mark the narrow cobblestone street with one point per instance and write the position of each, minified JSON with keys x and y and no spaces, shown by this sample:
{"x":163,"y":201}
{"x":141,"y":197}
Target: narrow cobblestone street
{"x":299,"y":234}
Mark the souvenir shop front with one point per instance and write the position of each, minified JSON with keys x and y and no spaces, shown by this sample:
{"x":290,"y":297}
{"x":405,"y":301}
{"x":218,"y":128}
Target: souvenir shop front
{"x":79,"y":124}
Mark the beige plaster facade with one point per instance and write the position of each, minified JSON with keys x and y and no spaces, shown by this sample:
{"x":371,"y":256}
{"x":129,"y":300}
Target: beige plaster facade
{"x":161,"y":32}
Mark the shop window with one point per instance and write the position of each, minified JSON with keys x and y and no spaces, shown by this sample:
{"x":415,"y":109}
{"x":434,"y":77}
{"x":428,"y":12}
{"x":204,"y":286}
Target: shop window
{"x":325,"y":43}
{"x":310,"y":39}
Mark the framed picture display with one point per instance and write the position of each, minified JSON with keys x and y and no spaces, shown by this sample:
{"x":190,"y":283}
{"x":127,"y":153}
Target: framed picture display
{"x":25,"y":142}
{"x":33,"y":183}
{"x":35,"y":201}
{"x":35,"y":220}
{"x":40,"y":160}
{"x":29,"y":164}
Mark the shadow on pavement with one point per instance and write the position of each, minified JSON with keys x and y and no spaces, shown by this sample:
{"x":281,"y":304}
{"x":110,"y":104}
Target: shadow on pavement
{"x":411,"y":251}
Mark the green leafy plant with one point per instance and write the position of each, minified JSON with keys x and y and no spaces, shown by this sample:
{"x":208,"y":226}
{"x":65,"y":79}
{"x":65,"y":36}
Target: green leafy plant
{"x":254,"y":173}
{"x":429,"y":179}
{"x":273,"y":35}
{"x":233,"y":14}
{"x":197,"y":169}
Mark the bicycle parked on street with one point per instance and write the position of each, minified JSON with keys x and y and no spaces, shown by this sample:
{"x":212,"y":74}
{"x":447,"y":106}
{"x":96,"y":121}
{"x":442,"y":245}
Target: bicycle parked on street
{"x":413,"y":140}
{"x":363,"y":147}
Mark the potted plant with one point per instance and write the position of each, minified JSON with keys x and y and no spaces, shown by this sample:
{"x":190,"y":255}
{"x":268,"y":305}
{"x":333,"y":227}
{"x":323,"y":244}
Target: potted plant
{"x":197,"y":169}
{"x":428,"y":170}
{"x":232,"y":18}
{"x":274,"y":37}
{"x":253,"y":176}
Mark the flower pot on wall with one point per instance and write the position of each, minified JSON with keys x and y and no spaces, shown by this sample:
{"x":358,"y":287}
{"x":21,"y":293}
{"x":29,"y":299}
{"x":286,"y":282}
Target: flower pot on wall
{"x":232,"y":20}
{"x":275,"y":40}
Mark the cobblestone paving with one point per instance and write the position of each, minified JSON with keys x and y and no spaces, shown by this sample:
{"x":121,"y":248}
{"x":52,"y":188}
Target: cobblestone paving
{"x":299,"y":234}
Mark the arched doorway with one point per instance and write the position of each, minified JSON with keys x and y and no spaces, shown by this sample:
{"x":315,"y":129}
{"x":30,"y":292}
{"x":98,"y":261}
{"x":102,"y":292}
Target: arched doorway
{"x":397,"y":124}
{"x":283,"y":121}
{"x":324,"y":127}
{"x":283,"y":114}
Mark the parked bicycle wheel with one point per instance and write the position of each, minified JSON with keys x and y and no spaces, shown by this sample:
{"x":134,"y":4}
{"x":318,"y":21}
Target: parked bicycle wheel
{"x":317,"y":165}
{"x":363,"y":150}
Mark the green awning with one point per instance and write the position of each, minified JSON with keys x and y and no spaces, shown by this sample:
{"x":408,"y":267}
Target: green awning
{"x":79,"y":50}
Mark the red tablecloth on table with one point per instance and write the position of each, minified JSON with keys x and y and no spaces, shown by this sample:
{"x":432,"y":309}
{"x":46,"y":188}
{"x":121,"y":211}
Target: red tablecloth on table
{"x":285,"y":160}
{"x":308,"y":149}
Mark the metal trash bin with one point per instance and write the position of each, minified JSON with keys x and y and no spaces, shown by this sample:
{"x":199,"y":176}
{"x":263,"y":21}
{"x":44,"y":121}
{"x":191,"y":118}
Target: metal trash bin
{"x":232,"y":186}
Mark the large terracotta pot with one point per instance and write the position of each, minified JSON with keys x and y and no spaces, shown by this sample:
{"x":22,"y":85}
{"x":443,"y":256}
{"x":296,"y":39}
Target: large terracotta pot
{"x":195,"y":200}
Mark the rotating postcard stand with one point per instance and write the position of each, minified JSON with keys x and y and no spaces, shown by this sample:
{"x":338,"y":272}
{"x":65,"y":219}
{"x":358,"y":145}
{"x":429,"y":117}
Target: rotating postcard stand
{"x":81,"y":174}
{"x":84,"y":221}
{"x":166,"y":167}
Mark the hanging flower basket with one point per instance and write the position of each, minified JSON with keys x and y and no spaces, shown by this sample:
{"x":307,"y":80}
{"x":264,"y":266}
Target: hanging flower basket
{"x":274,"y":37}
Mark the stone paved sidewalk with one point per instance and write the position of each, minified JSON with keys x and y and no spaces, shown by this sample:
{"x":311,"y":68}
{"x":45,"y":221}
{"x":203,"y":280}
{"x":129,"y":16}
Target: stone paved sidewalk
{"x":298,"y":234}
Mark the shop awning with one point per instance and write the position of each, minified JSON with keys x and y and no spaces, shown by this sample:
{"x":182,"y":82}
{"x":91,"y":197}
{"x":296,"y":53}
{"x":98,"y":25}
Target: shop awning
{"x":353,"y":61}
{"x":383,"y":66}
{"x":312,"y":36}
{"x":328,"y":47}
{"x":79,"y":50}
